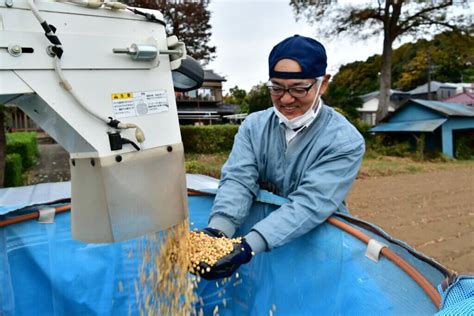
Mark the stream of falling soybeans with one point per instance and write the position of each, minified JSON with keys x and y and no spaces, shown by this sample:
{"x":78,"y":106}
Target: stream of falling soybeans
{"x":164,"y":286}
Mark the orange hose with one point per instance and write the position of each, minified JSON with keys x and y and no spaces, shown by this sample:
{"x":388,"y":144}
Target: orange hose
{"x":196,"y":192}
{"x":18,"y":219}
{"x":32,"y":215}
{"x":405,"y":266}
{"x":412,"y":272}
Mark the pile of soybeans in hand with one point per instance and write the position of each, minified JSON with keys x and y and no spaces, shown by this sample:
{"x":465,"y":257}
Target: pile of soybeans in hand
{"x":208,"y":249}
{"x":164,"y":286}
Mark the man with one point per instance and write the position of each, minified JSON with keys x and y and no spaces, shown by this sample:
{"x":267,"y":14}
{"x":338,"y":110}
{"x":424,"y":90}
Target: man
{"x":300,"y":149}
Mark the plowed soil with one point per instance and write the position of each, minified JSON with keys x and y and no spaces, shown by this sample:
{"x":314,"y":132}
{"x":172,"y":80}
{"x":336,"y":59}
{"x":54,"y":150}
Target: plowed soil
{"x":433,"y":212}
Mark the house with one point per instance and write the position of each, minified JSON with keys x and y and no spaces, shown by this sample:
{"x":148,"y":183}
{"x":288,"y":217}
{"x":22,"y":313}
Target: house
{"x":206,"y":104}
{"x":462,"y":86}
{"x":441,"y":122}
{"x":17,"y":120}
{"x":438,"y":91}
{"x":466,"y":98}
{"x":370,"y":104}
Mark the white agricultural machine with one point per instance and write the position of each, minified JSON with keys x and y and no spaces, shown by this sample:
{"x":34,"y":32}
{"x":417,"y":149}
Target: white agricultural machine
{"x":100,"y":78}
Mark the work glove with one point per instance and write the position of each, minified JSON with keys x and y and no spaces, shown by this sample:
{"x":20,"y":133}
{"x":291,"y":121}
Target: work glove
{"x":213,"y":232}
{"x":227,"y":265}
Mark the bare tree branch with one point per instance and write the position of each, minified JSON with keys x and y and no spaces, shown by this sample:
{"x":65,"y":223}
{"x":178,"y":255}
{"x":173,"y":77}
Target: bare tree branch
{"x":430,"y":21}
{"x":425,"y":11}
{"x":379,"y":7}
{"x":394,"y":18}
{"x":425,"y":20}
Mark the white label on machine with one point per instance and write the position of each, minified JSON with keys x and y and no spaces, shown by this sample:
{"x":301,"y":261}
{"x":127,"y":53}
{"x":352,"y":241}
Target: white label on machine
{"x":128,"y":104}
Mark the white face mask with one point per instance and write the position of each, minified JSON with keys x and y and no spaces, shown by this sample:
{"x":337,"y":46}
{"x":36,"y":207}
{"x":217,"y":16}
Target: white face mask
{"x":304,"y":119}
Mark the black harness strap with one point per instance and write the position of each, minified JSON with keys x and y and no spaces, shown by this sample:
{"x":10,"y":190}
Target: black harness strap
{"x":50,"y":33}
{"x":149,"y":16}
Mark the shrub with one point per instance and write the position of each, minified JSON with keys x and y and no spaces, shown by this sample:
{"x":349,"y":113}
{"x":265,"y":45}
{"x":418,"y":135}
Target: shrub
{"x":208,"y":139}
{"x":464,"y":147}
{"x":388,"y":147}
{"x":13,"y":171}
{"x":361,"y":125}
{"x":25,"y":145}
{"x":420,"y":147}
{"x":363,"y":128}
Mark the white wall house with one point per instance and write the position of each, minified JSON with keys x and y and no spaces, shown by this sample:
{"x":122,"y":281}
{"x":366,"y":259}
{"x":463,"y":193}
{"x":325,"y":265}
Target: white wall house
{"x":370,"y":106}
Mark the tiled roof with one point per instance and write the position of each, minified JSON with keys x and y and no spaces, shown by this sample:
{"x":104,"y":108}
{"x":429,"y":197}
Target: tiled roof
{"x":409,"y":126}
{"x":373,"y":94}
{"x":464,"y":98}
{"x":434,"y":86}
{"x":210,"y":75}
{"x":447,"y":108}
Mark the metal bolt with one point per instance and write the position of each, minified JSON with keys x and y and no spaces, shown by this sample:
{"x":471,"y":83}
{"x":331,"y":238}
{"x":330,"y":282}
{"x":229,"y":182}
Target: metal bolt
{"x":169,"y":149}
{"x":171,"y":52}
{"x":14,"y":50}
{"x":50,"y":52}
{"x":92,"y":162}
{"x":118,"y":158}
{"x":121,"y":51}
{"x":138,"y":51}
{"x":9,"y":3}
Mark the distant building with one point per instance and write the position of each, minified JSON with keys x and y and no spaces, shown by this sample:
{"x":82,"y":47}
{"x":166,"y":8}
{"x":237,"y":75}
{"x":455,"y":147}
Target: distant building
{"x":370,"y":105}
{"x":441,"y":122}
{"x":206,"y":104}
{"x":438,"y":91}
{"x":17,"y":120}
{"x":462,"y":86}
{"x":466,"y":98}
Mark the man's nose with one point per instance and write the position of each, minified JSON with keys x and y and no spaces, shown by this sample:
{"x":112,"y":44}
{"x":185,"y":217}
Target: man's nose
{"x":287,"y":98}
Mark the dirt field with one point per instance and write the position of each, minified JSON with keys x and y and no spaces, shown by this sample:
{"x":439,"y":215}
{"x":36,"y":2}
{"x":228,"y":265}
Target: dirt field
{"x":433,"y":212}
{"x":431,"y":209}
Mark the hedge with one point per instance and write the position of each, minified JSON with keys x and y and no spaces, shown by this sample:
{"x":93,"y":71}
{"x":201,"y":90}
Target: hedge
{"x":464,"y":146}
{"x":13,"y":171}
{"x":25,"y":145}
{"x":208,"y":139}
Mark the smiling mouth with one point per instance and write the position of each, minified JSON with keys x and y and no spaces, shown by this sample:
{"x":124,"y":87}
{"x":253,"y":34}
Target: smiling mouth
{"x":288,"y":108}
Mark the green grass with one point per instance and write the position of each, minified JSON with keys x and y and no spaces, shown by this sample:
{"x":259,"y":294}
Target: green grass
{"x":387,"y":166}
{"x":372,"y":165}
{"x":208,"y":164}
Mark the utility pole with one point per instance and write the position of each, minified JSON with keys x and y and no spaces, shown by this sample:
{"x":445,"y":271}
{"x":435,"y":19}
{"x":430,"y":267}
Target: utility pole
{"x":429,"y":74}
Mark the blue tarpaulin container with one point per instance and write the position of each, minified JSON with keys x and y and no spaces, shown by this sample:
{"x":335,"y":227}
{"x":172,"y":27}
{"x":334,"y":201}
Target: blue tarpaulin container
{"x":44,"y":272}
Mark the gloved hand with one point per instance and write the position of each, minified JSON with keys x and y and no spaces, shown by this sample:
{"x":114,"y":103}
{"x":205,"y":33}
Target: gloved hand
{"x":213,"y":232}
{"x":228,"y":264}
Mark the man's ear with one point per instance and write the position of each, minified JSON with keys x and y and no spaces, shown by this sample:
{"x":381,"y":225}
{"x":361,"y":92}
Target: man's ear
{"x":325,"y":83}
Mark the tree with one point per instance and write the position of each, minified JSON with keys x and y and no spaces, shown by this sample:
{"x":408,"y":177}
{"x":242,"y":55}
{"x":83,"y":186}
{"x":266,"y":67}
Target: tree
{"x":392,"y":18}
{"x":235,"y":96}
{"x":448,"y":57}
{"x":258,"y":98}
{"x":189,"y":21}
{"x":451,"y":55}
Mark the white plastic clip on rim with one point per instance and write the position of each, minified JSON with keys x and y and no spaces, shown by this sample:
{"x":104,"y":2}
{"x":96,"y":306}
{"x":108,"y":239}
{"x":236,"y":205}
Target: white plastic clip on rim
{"x":46,"y":216}
{"x":374,"y":247}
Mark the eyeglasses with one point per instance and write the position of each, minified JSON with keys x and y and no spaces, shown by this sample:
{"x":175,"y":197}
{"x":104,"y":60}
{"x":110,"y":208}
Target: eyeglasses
{"x":295,"y":91}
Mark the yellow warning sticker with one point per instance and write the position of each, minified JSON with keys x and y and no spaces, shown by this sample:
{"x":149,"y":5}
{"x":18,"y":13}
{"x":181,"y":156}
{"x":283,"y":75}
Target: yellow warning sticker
{"x":128,"y":104}
{"x":122,"y":95}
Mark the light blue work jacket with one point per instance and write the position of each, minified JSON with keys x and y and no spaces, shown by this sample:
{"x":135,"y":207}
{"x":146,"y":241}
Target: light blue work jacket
{"x":314,"y":172}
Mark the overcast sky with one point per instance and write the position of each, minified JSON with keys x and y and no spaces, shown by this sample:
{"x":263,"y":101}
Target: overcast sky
{"x":245,"y":31}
